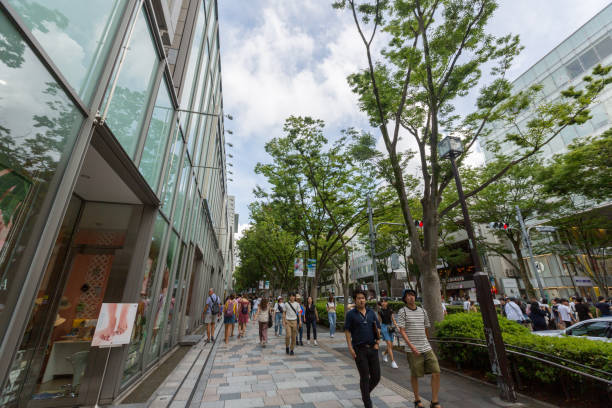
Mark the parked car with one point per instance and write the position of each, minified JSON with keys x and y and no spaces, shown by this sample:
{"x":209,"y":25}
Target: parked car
{"x":599,"y":329}
{"x":340,"y":299}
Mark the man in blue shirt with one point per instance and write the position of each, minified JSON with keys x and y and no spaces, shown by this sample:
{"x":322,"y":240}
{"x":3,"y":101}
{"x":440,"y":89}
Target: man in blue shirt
{"x":362,"y":330}
{"x":212,"y":310}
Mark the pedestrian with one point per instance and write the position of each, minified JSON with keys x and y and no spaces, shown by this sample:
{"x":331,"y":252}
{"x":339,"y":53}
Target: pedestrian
{"x":473,"y":307}
{"x":387,"y":328}
{"x":572,"y":306}
{"x":556,"y":317}
{"x":466,"y":304}
{"x":300,"y":330}
{"x":361,"y":328}
{"x":291,"y":322}
{"x":212,"y":310}
{"x":229,"y":311}
{"x":331,"y":315}
{"x":263,"y":316}
{"x":537,"y":316}
{"x":601,"y":307}
{"x":565,"y":314}
{"x":502,"y":306}
{"x":413,"y":324}
{"x":278,"y":316}
{"x":311,"y":318}
{"x":256,"y":302}
{"x":514,"y":312}
{"x":244,"y":309}
{"x":583,"y":310}
{"x":444,"y":312}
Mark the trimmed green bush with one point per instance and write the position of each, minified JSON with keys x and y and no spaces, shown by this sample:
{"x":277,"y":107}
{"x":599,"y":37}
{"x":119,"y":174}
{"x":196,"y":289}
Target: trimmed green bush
{"x":595,"y":354}
{"x":322,"y":311}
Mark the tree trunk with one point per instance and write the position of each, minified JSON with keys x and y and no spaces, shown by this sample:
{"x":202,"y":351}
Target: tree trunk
{"x":522,"y":268}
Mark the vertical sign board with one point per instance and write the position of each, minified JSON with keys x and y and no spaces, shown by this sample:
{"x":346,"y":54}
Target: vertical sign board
{"x":312,"y":267}
{"x":267,"y":286}
{"x":298,"y":267}
{"x":261,"y":284}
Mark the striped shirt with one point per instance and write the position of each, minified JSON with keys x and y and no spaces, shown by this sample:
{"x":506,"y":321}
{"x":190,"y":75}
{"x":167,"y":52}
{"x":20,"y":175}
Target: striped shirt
{"x":414,"y":323}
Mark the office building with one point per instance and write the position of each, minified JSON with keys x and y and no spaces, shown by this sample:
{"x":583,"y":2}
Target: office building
{"x":112,"y":189}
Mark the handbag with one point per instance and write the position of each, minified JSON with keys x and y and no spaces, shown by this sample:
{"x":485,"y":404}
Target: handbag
{"x":270,"y":322}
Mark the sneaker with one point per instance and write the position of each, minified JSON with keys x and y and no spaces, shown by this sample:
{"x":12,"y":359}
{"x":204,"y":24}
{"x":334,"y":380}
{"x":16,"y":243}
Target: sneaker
{"x":291,"y":353}
{"x":394,"y":364}
{"x":315,"y":343}
{"x":385,"y":358}
{"x":309,"y":343}
{"x":287,"y":350}
{"x":301,"y":343}
{"x":212,"y":339}
{"x":332,"y":335}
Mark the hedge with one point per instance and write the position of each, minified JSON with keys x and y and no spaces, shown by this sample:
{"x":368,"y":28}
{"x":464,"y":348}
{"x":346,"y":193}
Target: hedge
{"x":592,"y":353}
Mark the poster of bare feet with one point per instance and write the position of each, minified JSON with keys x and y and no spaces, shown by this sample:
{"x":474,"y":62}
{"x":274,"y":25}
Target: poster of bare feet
{"x":115,"y":324}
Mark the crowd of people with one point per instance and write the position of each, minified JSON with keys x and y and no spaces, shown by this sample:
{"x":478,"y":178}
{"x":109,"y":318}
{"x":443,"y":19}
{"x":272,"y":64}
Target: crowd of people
{"x":558,"y":314}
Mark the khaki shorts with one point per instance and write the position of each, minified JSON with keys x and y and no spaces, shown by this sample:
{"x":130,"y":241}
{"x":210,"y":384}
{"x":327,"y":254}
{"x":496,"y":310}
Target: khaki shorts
{"x":208,"y":318}
{"x":423,"y":363}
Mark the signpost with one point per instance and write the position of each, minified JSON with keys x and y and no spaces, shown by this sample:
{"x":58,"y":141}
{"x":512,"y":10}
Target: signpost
{"x":298,"y":267}
{"x":312,"y":267}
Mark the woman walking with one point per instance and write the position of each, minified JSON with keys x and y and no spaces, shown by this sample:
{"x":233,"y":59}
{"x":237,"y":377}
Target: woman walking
{"x":244,"y":308}
{"x":538,"y":317}
{"x":229,"y":313}
{"x":331,"y":315}
{"x":263,"y":316}
{"x":387,"y":327}
{"x":312,"y":317}
{"x":300,"y":331}
{"x":278,"y":316}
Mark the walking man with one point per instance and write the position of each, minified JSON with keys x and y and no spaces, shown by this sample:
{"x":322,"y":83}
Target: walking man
{"x":362,"y":330}
{"x":291,"y":321}
{"x":212,"y":310}
{"x":413,"y":324}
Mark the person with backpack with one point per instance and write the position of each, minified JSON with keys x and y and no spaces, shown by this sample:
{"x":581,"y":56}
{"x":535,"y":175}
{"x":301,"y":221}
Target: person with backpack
{"x":413,"y":324}
{"x":229,"y":311}
{"x":264,"y":317}
{"x":244,"y":310}
{"x":212,"y":310}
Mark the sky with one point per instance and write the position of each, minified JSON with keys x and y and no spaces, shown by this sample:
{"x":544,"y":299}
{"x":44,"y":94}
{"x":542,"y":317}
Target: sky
{"x":292,"y":57}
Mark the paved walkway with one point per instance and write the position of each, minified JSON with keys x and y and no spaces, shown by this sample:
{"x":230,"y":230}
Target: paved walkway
{"x":245,"y":375}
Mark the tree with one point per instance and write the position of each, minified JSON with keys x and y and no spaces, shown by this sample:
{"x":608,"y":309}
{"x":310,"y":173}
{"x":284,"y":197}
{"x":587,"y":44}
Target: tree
{"x":498,"y":201}
{"x":436,"y":52}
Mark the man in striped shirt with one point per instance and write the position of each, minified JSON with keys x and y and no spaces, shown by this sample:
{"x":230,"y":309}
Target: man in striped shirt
{"x":414,"y":326}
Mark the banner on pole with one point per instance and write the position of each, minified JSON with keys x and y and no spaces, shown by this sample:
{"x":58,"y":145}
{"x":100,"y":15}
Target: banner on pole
{"x":312,"y":267}
{"x":261,"y":284}
{"x":298,"y":267}
{"x":267,"y":286}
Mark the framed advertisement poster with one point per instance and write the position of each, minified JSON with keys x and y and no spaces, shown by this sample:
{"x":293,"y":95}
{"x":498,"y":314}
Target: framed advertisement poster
{"x":115,"y":324}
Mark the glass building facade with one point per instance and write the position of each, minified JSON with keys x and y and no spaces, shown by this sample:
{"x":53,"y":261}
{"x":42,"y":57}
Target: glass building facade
{"x":113,"y":188}
{"x":561,"y":68}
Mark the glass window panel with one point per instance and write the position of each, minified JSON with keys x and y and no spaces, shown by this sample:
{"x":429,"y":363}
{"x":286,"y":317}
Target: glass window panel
{"x":134,"y":86}
{"x":161,"y":304}
{"x":77,"y":39}
{"x":180,"y":195}
{"x":589,"y":58}
{"x":134,"y":357}
{"x":604,"y":47}
{"x":194,"y":56}
{"x":172,"y":300}
{"x":574,"y":68}
{"x":172,"y":172}
{"x":560,"y":76}
{"x":212,"y":22}
{"x":38,"y":128}
{"x":157,"y":138}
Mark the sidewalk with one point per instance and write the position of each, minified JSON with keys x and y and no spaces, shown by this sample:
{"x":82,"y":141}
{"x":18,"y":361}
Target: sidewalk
{"x":245,"y":375}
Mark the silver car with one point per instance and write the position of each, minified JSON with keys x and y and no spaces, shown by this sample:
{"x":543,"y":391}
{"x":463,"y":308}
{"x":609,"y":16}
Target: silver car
{"x":599,"y":329}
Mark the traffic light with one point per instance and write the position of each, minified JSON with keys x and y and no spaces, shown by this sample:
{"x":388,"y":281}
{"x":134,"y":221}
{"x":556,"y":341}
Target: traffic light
{"x":499,"y":225}
{"x":418,"y":223}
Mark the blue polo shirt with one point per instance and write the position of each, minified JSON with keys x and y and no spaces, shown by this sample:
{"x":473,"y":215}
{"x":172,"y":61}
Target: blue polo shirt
{"x":361,"y":327}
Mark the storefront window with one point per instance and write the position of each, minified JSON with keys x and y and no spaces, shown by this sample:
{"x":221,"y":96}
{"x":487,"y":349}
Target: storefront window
{"x":194,"y":56}
{"x":172,"y":304}
{"x":134,"y":86}
{"x":38,"y":128}
{"x":77,"y":39}
{"x":162,"y":303}
{"x":132,"y":365}
{"x":157,"y":137}
{"x":180,"y":195}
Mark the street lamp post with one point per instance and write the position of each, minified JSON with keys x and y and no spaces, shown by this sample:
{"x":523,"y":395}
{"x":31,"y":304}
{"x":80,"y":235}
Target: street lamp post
{"x":451,"y":147}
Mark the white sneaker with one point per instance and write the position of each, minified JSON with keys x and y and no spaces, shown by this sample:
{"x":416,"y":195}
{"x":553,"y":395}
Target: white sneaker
{"x":394,"y":365}
{"x":332,"y":335}
{"x":385,"y":358}
{"x":315,"y":343}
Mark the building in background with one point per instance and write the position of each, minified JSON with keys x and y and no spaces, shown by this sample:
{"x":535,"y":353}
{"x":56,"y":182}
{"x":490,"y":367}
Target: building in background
{"x":564,"y":66}
{"x":113,"y":188}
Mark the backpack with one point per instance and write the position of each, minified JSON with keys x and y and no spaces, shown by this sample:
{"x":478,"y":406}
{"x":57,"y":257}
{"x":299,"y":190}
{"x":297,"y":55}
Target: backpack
{"x":245,"y":309}
{"x":214,"y":309}
{"x":229,"y":310}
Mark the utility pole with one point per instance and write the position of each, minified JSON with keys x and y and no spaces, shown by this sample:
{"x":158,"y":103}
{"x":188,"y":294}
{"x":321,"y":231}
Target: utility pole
{"x":372,"y":248}
{"x":527,"y":241}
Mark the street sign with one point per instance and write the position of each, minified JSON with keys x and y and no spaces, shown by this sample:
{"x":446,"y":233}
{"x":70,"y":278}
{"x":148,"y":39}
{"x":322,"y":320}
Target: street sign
{"x":267,"y":286}
{"x":395,"y":263}
{"x":261,"y":284}
{"x":298,"y":267}
{"x":312,"y":267}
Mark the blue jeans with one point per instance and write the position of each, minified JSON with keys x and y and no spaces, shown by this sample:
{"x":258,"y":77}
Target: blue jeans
{"x":300,"y":332}
{"x":331,"y":316}
{"x":278,"y":323}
